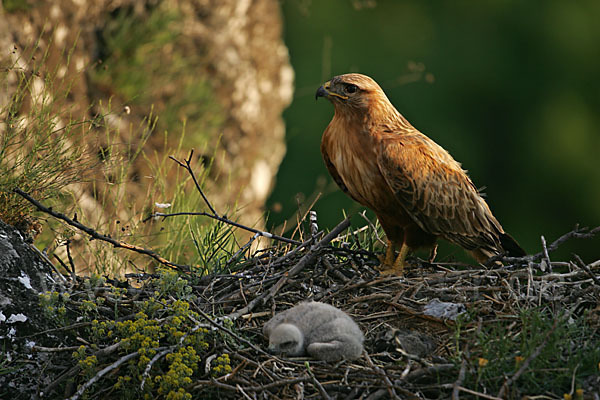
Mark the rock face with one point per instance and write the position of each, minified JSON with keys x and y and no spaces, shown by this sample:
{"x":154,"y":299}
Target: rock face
{"x":242,"y":57}
{"x":24,"y":275}
{"x":254,"y":82}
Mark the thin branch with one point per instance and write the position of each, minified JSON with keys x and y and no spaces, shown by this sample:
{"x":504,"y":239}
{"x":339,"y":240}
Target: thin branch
{"x":188,"y":167}
{"x":242,"y":249}
{"x":103,"y":372}
{"x":576,"y":233}
{"x":53,"y":349}
{"x":47,"y":260}
{"x":529,"y":359}
{"x":586,"y":269}
{"x":228,"y":331}
{"x":314,"y":226}
{"x":383,"y":375}
{"x":95,"y":235}
{"x":461,"y":377}
{"x":545,"y":252}
{"x":70,"y":257}
{"x":315,"y":381}
{"x":478,"y":394}
{"x":156,"y":357}
{"x":186,"y":164}
{"x":226,"y":220}
{"x":282,"y":382}
{"x":306,"y":260}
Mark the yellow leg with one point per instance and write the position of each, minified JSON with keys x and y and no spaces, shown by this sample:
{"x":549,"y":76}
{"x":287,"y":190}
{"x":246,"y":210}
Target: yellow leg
{"x":389,"y":255}
{"x":432,"y":254}
{"x":394,"y":267}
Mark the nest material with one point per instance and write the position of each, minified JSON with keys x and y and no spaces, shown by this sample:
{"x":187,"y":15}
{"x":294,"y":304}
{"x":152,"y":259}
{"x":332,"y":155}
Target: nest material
{"x":408,"y":352}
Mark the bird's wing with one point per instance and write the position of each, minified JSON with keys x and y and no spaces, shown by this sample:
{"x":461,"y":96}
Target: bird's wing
{"x":334,"y":173}
{"x":436,"y":192}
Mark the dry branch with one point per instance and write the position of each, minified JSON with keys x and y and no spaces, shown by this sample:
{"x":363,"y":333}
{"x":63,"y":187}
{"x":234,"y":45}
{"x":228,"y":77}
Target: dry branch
{"x":186,"y":164}
{"x":95,"y":235}
{"x":304,"y":262}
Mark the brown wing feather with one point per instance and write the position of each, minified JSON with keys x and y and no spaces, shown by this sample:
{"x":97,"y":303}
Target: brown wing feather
{"x":334,"y":173}
{"x":436,"y":192}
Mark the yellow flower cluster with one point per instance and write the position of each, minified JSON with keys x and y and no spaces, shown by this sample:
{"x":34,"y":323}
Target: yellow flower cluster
{"x":53,"y":305}
{"x":182,"y":365}
{"x":166,"y":319}
{"x":102,"y":330}
{"x":221,"y":366}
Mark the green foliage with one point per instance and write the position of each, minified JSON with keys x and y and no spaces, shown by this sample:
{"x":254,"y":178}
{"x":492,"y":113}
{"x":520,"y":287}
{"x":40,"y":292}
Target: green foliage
{"x":42,"y":148}
{"x":569,"y":352}
{"x":162,"y":330}
{"x":192,"y":240}
{"x":53,"y":305}
{"x":148,"y":62}
{"x":11,"y":6}
{"x":509,"y":88}
{"x":48,"y":149}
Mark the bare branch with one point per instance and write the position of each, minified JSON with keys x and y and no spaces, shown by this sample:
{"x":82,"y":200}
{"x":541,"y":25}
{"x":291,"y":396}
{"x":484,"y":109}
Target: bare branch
{"x":95,"y":235}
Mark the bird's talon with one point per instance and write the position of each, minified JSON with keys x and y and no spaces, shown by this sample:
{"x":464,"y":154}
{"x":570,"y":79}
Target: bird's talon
{"x":391,"y":272}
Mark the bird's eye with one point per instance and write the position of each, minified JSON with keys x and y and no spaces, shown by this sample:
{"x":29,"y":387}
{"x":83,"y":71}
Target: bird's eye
{"x":351,"y":88}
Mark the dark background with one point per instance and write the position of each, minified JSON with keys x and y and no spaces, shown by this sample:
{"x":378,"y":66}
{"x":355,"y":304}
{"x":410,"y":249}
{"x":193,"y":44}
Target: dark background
{"x":509,"y":88}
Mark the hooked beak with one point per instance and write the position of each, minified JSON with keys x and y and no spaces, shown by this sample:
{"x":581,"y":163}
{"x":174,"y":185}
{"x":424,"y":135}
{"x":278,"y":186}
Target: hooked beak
{"x":321,"y":92}
{"x":324,"y":91}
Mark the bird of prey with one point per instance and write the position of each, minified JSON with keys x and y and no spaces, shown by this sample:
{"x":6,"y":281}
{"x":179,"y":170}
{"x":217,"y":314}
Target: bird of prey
{"x":321,"y":330}
{"x":417,"y":190}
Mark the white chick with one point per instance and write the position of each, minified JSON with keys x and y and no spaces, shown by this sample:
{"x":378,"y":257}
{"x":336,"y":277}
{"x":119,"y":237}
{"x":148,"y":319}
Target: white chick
{"x":317,"y":329}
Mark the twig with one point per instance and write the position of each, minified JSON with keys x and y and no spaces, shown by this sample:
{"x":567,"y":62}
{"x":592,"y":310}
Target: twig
{"x":320,"y":388}
{"x":435,"y":369}
{"x":577,"y":233}
{"x":573,"y":379}
{"x":188,"y":167}
{"x":228,"y":331}
{"x":586,"y":269}
{"x":47,"y":260}
{"x":314,"y":227}
{"x":282,"y":382}
{"x":243,"y":248}
{"x":70,"y":257}
{"x":372,"y":226}
{"x":293,"y":252}
{"x":63,"y":328}
{"x":461,"y":377}
{"x":310,"y":257}
{"x":478,"y":394}
{"x":239,"y":388}
{"x":156,"y":357}
{"x":99,"y":236}
{"x":103,"y":372}
{"x":304,"y":262}
{"x":529,"y":359}
{"x":227,"y":221}
{"x":383,"y":375}
{"x":546,"y":255}
{"x":54,"y":349}
{"x":213,"y":214}
{"x":203,"y":383}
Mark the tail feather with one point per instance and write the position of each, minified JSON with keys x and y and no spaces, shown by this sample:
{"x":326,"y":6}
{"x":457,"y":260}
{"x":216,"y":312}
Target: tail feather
{"x":510,"y":246}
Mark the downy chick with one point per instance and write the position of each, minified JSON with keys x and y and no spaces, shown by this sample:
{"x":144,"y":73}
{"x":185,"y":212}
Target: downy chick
{"x":317,"y":329}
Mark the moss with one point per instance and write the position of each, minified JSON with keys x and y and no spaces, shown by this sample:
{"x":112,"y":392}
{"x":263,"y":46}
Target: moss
{"x":157,"y":323}
{"x":147,"y":62}
{"x":11,"y":6}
